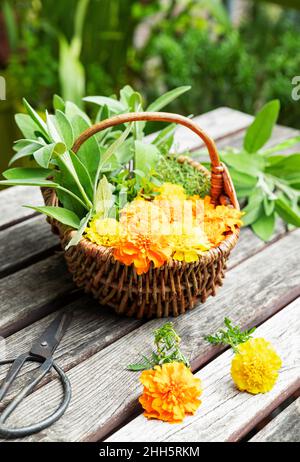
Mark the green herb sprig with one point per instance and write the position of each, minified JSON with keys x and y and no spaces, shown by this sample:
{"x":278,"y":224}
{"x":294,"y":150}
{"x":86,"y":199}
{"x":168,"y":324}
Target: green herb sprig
{"x":233,"y":336}
{"x":193,"y":181}
{"x":267,"y":181}
{"x":167,"y":350}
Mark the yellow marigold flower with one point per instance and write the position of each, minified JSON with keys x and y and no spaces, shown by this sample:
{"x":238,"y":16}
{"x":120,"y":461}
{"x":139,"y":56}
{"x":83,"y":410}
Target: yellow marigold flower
{"x":171,"y":192}
{"x":188,"y":243}
{"x":255,"y":366}
{"x":104,"y":231}
{"x":170,"y":392}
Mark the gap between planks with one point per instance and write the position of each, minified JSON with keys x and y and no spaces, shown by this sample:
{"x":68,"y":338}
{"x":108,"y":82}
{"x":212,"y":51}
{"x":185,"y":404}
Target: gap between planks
{"x":225,"y":413}
{"x":105,"y":394}
{"x":285,"y":427}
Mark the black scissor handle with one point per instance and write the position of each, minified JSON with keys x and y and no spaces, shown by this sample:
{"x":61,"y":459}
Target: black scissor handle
{"x":9,"y":432}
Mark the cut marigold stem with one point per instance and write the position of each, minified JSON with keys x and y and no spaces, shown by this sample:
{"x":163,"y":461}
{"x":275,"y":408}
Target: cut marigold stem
{"x":255,"y":365}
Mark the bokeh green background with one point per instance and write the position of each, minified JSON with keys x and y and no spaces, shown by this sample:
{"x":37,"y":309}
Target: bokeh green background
{"x":235,"y":53}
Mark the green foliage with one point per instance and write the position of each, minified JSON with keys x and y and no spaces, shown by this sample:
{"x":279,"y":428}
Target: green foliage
{"x":167,"y":350}
{"x":232,"y":336}
{"x":193,"y":181}
{"x":268,"y":181}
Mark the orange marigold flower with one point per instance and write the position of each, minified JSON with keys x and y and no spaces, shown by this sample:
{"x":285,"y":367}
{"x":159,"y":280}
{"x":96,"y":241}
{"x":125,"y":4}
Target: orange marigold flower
{"x":141,"y":250}
{"x":217,"y":221}
{"x":144,"y":240}
{"x":170,"y":393}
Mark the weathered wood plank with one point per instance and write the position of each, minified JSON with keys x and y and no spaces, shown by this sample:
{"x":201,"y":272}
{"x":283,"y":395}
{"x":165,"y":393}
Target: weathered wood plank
{"x":283,"y":428}
{"x":11,"y":201}
{"x":25,"y":242}
{"x":33,"y":292}
{"x":105,"y":394}
{"x":225,"y":413}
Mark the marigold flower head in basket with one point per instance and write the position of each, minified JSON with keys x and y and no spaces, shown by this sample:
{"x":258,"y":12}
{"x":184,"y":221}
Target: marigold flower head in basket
{"x":143,"y":241}
{"x":104,"y":231}
{"x":255,"y":365}
{"x":170,"y":389}
{"x":171,"y":192}
{"x":217,"y":221}
{"x":188,"y":243}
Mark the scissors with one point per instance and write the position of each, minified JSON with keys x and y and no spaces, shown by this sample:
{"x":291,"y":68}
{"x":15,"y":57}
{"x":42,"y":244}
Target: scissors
{"x":41,"y":352}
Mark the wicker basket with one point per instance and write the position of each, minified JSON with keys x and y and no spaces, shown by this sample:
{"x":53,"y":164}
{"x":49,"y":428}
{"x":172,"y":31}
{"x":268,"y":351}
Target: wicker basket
{"x":176,"y":286}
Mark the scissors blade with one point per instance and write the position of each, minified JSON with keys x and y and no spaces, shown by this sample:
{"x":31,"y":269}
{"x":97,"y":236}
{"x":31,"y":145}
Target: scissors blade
{"x":47,"y":343}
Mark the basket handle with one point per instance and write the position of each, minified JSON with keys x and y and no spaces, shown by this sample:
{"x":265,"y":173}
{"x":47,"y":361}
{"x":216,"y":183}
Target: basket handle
{"x":217,"y":169}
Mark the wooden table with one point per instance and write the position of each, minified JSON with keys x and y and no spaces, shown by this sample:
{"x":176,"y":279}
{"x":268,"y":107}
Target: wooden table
{"x":262,"y":289}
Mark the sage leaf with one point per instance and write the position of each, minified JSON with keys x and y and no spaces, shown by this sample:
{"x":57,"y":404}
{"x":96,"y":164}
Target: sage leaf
{"x":165,"y":138}
{"x":146,"y":156}
{"x":26,"y":150}
{"x":72,"y":110}
{"x":167,"y":98}
{"x":36,"y":118}
{"x":81,"y":228}
{"x":58,"y":103}
{"x":64,"y":128}
{"x":114,"y":105}
{"x":286,"y":212}
{"x":29,"y":182}
{"x":261,"y":128}
{"x":90,"y":152}
{"x":269,"y":206}
{"x":65,"y":216}
{"x":26,"y":173}
{"x":43,"y":155}
{"x":264,"y":226}
{"x":288,"y":165}
{"x":245,"y":163}
{"x":26,"y":125}
{"x":281,"y":146}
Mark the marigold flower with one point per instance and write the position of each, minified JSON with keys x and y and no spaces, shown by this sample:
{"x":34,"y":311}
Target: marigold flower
{"x":217,"y":220}
{"x":104,"y":231}
{"x":142,"y":249}
{"x":188,"y":243}
{"x":170,"y":392}
{"x":255,"y":366}
{"x":171,"y":192}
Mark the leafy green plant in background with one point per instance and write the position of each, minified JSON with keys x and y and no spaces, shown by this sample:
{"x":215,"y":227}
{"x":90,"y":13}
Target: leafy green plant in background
{"x":268,"y":181}
{"x":71,"y":70}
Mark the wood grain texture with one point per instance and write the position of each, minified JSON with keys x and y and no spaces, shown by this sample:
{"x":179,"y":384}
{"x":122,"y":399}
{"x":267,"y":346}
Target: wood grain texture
{"x":25,"y":242}
{"x":285,"y":427}
{"x":11,"y":201}
{"x":105,"y":394}
{"x":225,"y":413}
{"x":32,"y":292}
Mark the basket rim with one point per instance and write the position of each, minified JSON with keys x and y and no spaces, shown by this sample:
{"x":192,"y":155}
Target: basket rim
{"x":105,"y":253}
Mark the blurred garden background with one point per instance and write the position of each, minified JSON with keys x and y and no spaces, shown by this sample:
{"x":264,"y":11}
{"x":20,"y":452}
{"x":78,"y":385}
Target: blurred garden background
{"x":238,"y":53}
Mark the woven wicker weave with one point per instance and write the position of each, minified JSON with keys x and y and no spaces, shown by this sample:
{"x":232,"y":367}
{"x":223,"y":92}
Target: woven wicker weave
{"x":176,"y":286}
